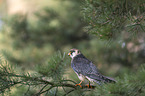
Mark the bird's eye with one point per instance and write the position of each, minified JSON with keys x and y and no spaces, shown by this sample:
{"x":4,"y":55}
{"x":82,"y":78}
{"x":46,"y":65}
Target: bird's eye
{"x":72,"y":52}
{"x":78,"y":51}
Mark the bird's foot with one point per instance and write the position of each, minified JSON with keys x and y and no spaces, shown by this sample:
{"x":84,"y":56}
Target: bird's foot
{"x":78,"y":85}
{"x":89,"y":86}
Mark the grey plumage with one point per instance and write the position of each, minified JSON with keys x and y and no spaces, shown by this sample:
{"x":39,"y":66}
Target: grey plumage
{"x":81,"y":65}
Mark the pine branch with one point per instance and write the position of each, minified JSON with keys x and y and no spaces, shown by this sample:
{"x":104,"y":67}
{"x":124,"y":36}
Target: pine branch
{"x":44,"y":91}
{"x":10,"y":78}
{"x":69,"y":92}
{"x":26,"y":79}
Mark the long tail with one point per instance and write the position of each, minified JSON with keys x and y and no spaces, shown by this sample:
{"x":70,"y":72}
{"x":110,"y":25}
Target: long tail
{"x":99,"y":78}
{"x":108,"y":79}
{"x":104,"y":79}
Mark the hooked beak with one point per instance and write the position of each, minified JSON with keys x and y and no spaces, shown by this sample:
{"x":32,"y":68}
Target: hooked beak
{"x":69,"y":54}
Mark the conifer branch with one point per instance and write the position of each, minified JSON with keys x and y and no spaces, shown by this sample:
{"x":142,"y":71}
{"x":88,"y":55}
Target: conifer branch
{"x":44,"y":91}
{"x":69,"y":92}
{"x":25,"y":80}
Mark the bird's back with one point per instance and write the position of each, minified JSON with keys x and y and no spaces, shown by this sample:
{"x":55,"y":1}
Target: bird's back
{"x":82,"y":65}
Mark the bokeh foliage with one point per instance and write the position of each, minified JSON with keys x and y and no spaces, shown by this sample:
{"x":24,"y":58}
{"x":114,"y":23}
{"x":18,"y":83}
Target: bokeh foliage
{"x":41,"y":33}
{"x":107,"y":18}
{"x":121,"y":24}
{"x":116,"y":44}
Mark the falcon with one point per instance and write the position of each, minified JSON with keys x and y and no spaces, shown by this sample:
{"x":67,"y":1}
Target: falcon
{"x":85,"y":69}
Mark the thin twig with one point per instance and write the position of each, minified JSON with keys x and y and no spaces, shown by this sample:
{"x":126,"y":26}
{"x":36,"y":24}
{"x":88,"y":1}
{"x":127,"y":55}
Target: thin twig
{"x":56,"y":91}
{"x":44,"y":91}
{"x":64,"y":89}
{"x":25,"y":94}
{"x":69,"y":92}
{"x":26,"y":77}
{"x":42,"y":88}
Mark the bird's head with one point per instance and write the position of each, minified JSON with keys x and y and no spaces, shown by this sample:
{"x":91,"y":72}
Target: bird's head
{"x":74,"y":52}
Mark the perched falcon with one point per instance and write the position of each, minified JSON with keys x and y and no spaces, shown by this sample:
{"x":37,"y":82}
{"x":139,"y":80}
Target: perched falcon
{"x":85,"y":69}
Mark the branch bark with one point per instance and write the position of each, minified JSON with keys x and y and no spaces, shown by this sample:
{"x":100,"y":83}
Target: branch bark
{"x":25,"y":80}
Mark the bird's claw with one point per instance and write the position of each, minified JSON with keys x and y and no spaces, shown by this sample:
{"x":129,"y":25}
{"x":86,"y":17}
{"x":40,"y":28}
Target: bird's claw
{"x":89,"y":86}
{"x":78,"y":85}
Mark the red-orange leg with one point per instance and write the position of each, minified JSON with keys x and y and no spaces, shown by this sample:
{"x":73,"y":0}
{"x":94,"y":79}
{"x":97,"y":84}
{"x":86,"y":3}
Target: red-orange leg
{"x":88,"y":85}
{"x":79,"y":84}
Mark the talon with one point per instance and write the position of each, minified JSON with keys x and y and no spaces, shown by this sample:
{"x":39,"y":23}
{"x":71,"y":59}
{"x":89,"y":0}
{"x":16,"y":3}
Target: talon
{"x":89,"y":86}
{"x":79,"y":84}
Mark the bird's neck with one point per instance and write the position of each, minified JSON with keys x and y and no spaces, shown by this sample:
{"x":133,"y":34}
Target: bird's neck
{"x":79,"y":55}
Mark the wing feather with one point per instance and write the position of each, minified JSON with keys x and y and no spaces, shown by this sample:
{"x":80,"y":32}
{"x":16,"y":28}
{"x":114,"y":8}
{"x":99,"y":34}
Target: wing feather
{"x":83,"y":66}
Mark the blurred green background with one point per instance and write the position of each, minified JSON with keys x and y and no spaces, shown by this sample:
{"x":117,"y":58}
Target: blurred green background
{"x":32,"y":31}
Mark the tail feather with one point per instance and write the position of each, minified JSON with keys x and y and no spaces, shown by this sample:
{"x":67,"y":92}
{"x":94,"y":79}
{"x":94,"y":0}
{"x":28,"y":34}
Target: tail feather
{"x":108,"y":79}
{"x":105,"y":79}
{"x":98,"y":78}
